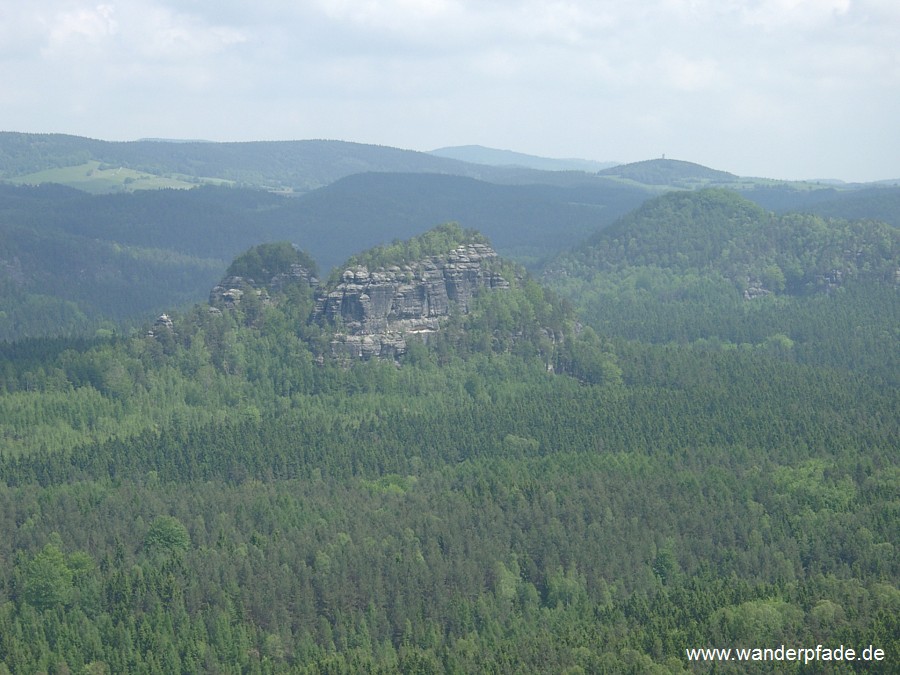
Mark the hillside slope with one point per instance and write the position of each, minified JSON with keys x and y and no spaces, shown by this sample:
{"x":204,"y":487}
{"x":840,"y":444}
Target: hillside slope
{"x":711,"y":265}
{"x":526,"y":222}
{"x":719,"y":232}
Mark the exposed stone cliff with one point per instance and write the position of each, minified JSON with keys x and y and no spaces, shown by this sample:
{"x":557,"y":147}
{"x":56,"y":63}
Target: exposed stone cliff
{"x":375,"y":310}
{"x":228,"y":292}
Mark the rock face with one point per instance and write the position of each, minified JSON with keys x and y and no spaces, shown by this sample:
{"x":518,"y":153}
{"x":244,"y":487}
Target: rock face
{"x":163,"y":324}
{"x":755,"y":289}
{"x":378,"y":309}
{"x":228,"y":292}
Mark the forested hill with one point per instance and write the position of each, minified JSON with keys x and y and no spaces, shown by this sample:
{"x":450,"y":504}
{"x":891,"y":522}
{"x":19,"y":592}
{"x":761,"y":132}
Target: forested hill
{"x":710,"y":265}
{"x":223,"y":493}
{"x":447,"y":286}
{"x":72,"y":263}
{"x":717,"y":232}
{"x":880,"y":203}
{"x":297,"y":165}
{"x":672,"y":173}
{"x":294,"y":166}
{"x":854,"y":202}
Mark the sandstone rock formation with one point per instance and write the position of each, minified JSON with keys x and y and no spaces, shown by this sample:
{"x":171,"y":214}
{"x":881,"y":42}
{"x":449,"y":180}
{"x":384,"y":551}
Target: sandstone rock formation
{"x":228,"y":292}
{"x":375,"y":310}
{"x":162,"y":324}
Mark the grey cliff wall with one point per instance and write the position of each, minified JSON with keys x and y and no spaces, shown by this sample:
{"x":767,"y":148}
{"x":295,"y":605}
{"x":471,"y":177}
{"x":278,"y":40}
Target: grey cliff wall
{"x":375,"y":310}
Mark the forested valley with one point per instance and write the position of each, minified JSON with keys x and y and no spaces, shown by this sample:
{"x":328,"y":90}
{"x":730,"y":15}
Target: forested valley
{"x":682,"y":433}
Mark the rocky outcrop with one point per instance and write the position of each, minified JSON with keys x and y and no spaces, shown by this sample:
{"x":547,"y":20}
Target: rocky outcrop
{"x":163,"y":324}
{"x":755,"y":289}
{"x":228,"y":292}
{"x":376,"y":310}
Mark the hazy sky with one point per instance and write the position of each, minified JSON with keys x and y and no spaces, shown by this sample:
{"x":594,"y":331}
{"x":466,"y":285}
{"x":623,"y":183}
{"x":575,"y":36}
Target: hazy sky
{"x":776,"y":88}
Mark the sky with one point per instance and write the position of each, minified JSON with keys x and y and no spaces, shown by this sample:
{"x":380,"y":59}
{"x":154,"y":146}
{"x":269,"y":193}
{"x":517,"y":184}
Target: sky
{"x":792,"y":89}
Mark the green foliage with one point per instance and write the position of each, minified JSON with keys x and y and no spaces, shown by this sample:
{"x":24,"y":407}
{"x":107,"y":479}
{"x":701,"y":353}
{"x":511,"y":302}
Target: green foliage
{"x":518,"y":494}
{"x":263,"y":262}
{"x":61,"y":274}
{"x":589,"y":360}
{"x":167,"y":535}
{"x":720,"y":234}
{"x":48,"y":579}
{"x":757,"y":622}
{"x":712,"y":269}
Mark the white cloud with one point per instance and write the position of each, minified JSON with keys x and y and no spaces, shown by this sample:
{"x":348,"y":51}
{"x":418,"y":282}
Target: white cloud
{"x":565,"y":77}
{"x":163,"y":34}
{"x":79,"y":29}
{"x":126,"y":31}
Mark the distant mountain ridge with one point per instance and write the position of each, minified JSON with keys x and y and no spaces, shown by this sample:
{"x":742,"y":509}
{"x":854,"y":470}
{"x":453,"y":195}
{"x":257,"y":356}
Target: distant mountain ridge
{"x":669,"y":172}
{"x":291,"y":166}
{"x":479,"y":154}
{"x":301,"y":166}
